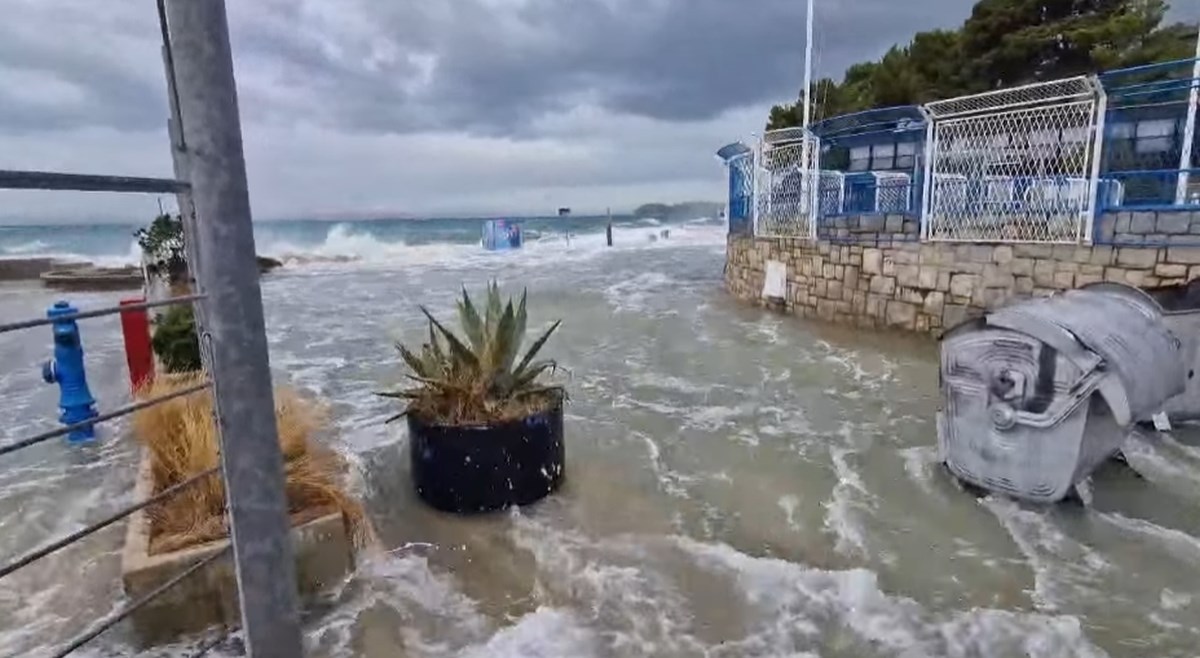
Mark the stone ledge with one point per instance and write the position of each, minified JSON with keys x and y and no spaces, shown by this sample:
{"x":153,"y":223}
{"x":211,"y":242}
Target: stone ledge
{"x":324,"y":554}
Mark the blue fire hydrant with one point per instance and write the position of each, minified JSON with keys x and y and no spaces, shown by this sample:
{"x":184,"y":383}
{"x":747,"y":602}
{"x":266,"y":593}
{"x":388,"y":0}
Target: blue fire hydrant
{"x":66,"y":369}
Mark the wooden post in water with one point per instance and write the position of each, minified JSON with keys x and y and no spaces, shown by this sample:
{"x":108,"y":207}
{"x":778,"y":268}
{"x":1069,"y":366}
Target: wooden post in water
{"x":608,"y":231}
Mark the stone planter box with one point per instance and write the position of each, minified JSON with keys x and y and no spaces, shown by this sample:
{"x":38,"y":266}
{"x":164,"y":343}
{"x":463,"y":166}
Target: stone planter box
{"x":324,"y":555}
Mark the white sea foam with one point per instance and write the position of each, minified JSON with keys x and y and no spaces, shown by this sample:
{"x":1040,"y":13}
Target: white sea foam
{"x":1062,"y":568}
{"x":355,"y":245}
{"x":545,"y":633}
{"x":796,"y":604}
{"x":845,"y":506}
{"x":36,"y":246}
{"x":1178,"y":543}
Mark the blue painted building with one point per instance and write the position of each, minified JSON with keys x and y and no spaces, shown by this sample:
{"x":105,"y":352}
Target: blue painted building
{"x":871,"y":161}
{"x":1144,"y":137}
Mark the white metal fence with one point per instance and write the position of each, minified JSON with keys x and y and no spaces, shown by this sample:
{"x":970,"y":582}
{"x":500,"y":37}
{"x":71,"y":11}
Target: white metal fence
{"x":785,"y":184}
{"x":1015,"y":165}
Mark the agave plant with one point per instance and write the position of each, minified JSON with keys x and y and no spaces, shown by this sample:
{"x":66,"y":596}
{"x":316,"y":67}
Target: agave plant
{"x":477,"y":379}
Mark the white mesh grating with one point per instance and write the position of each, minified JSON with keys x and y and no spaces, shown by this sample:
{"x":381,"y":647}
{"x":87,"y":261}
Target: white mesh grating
{"x":1015,"y":175}
{"x":1041,"y":93}
{"x":785,"y":185}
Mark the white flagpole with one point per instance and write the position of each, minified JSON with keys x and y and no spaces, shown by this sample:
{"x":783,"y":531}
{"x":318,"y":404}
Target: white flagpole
{"x":1189,"y":130}
{"x":808,"y":51}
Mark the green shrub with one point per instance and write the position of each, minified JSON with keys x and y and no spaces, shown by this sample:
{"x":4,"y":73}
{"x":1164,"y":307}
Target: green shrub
{"x":175,"y":341}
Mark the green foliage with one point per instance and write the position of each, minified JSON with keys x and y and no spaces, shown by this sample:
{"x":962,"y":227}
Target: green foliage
{"x":1004,"y":43}
{"x":163,"y":242}
{"x":477,"y":379}
{"x":175,"y":341}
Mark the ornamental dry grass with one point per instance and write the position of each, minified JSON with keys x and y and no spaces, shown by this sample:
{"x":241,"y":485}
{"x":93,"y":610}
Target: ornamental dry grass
{"x":182,"y":443}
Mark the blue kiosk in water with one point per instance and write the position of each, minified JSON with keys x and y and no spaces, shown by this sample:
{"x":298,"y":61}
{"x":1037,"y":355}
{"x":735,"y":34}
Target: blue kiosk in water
{"x":501,"y":235}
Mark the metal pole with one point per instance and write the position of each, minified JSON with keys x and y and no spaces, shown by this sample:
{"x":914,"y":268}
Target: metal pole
{"x":808,"y":51}
{"x":608,"y":231}
{"x":1091,"y":206}
{"x":1189,"y":130}
{"x":235,"y":331}
{"x":183,"y":200}
{"x":809,"y":173}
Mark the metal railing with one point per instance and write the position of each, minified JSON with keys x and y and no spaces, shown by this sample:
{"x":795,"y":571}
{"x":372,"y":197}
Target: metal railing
{"x":1015,"y":165}
{"x":210,"y":184}
{"x":785,"y":184}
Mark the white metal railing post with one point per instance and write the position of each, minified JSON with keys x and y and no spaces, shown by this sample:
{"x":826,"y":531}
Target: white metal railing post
{"x":235,"y":332}
{"x":814,"y":184}
{"x":755,"y":164}
{"x":1189,"y":130}
{"x":927,"y":176}
{"x":1092,"y":204}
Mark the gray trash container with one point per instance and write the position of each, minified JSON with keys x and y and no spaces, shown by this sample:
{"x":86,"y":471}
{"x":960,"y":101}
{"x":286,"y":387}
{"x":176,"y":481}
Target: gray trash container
{"x":1037,"y":394}
{"x":1180,"y":310}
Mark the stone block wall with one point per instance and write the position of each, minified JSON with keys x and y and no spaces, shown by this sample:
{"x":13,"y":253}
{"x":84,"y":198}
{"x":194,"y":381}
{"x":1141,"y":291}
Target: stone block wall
{"x":872,"y":271}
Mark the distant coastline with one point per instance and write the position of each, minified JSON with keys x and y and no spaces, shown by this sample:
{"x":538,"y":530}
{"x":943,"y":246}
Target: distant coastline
{"x":678,"y":211}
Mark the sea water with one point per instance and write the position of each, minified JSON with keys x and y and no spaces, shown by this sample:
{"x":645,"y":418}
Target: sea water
{"x":739,"y":483}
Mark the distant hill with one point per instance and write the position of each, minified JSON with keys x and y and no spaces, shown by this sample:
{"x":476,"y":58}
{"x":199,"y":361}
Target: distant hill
{"x":685,"y":210}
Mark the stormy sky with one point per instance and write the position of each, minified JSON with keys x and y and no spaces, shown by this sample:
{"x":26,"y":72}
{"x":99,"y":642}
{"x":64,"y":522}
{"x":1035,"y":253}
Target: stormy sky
{"x":374,"y":108}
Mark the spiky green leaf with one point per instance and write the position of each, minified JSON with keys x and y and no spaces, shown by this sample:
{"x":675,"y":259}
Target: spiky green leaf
{"x":435,"y":344}
{"x":472,"y":324}
{"x":414,"y":362}
{"x":459,"y":352}
{"x":537,"y":345}
{"x":525,"y":377}
{"x":504,"y":346}
{"x":494,"y":308}
{"x":399,"y":395}
{"x":522,"y":317}
{"x":397,"y":417}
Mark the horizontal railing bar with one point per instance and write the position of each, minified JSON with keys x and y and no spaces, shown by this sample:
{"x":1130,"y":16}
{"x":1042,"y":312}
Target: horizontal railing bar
{"x":1147,"y":172}
{"x":111,"y":620}
{"x":51,"y":180}
{"x":115,"y":413}
{"x":95,"y":313}
{"x":100,"y":525}
{"x":1146,"y":67}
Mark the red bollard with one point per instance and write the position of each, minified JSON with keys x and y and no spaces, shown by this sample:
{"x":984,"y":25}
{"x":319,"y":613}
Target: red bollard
{"x":135,"y":325}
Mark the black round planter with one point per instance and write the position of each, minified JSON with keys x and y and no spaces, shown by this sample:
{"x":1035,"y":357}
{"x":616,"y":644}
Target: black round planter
{"x":487,"y":467}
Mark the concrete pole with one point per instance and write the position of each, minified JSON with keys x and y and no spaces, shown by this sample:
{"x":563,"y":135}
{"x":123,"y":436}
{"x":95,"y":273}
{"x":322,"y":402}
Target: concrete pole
{"x":235,"y":333}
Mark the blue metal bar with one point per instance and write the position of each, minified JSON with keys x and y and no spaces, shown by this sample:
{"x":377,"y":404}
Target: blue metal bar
{"x":1181,"y":87}
{"x":1161,"y":85}
{"x":49,"y":180}
{"x":100,"y":312}
{"x":1146,"y":172}
{"x":1147,"y":67}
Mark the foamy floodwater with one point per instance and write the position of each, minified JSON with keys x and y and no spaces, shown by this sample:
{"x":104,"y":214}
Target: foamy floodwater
{"x":739,"y":484}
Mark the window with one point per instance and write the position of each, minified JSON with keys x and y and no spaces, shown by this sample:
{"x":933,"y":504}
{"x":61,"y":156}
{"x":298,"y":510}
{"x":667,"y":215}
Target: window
{"x":1156,"y":136}
{"x":906,"y":155}
{"x":860,"y":158}
{"x":1122,"y":130}
{"x":883,"y":156}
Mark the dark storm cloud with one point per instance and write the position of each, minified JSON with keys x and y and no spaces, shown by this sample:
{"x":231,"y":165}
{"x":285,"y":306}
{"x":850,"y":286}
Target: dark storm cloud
{"x":493,"y":65}
{"x":71,"y":66}
{"x":487,"y":66}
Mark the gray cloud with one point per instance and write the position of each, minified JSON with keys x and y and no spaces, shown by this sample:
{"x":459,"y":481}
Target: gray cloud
{"x":458,"y":106}
{"x":491,"y":66}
